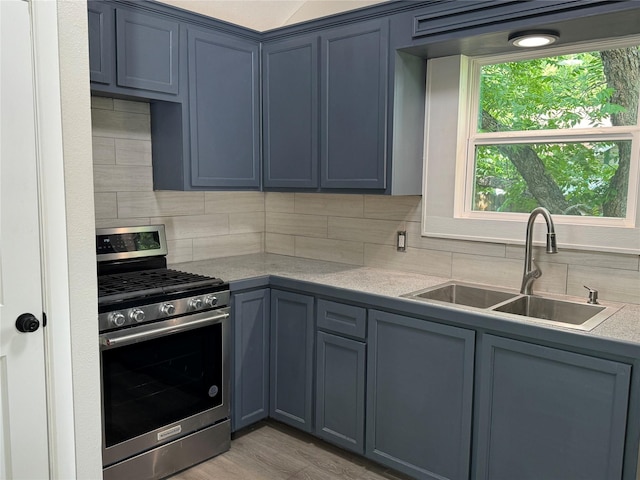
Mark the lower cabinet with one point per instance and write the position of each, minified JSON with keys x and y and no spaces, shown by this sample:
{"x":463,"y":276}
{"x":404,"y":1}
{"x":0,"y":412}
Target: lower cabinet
{"x":549,"y":414}
{"x":341,"y":373}
{"x":292,"y":355}
{"x":250,"y":396}
{"x":419,"y":396}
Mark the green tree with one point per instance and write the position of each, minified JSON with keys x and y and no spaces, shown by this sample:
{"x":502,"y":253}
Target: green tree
{"x":588,"y":89}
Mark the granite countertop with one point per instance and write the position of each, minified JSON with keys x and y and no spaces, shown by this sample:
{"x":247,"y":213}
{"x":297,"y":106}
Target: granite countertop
{"x":622,"y":325}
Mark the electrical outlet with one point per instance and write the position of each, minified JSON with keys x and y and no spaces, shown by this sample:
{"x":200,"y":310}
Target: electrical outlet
{"x":401,"y":244}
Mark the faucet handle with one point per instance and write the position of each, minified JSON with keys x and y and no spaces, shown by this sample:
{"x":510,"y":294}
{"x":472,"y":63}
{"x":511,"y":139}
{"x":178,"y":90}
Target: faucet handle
{"x":536,"y":272}
{"x":593,"y":295}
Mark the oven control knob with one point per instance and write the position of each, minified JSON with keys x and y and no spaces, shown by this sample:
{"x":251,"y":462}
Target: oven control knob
{"x":167,"y":309}
{"x":211,"y":301}
{"x":195,"y":303}
{"x":116,"y":318}
{"x":136,"y":314}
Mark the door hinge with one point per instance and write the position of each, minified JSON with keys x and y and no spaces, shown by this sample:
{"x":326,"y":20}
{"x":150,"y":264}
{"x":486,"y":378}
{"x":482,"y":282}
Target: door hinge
{"x":44,"y":319}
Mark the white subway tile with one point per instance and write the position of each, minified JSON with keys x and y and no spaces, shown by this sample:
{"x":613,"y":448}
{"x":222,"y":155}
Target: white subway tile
{"x":194,"y":226}
{"x":102,"y":103}
{"x":329,"y":204}
{"x":580,"y":257}
{"x":119,"y":178}
{"x":413,"y":260}
{"x":231,"y":202}
{"x":416,"y":240}
{"x":133,"y":152}
{"x":365,"y":230}
{"x":246,"y":222}
{"x":104,"y":151}
{"x":279,"y":244}
{"x":507,"y":272}
{"x":279,"y":202}
{"x":180,"y":250}
{"x":295,"y":224}
{"x":330,"y":250}
{"x":106,"y":206}
{"x":114,"y":124}
{"x":131,"y":106}
{"x":227,"y":245}
{"x":393,"y":208}
{"x":613,"y":284}
{"x":159,"y":204}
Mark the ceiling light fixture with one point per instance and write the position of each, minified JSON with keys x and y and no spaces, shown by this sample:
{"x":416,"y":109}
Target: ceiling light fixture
{"x":534,"y":38}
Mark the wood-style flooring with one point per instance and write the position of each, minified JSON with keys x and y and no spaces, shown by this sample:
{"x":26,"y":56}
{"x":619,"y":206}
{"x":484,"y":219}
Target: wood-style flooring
{"x":272,"y":451}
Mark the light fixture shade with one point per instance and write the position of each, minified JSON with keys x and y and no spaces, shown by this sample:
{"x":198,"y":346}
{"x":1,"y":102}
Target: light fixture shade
{"x":533,"y":38}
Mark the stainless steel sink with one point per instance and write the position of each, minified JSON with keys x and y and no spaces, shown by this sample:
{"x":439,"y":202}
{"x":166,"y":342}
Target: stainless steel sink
{"x":572,"y":313}
{"x":463,"y":294}
{"x":559,"y":312}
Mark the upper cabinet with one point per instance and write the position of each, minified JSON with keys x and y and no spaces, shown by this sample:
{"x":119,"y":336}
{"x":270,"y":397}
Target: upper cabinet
{"x":224,"y":110}
{"x":330,"y":103}
{"x":325,"y":109}
{"x":133,"y":52}
{"x":354,"y":87}
{"x":100,"y":36}
{"x":147,"y":51}
{"x":290,"y":111}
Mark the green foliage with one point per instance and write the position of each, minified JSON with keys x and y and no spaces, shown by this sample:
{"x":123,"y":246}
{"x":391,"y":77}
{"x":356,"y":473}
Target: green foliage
{"x":561,"y":92}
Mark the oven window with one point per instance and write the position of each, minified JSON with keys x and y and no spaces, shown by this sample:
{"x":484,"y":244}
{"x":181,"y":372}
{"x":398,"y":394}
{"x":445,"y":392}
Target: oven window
{"x":151,"y":384}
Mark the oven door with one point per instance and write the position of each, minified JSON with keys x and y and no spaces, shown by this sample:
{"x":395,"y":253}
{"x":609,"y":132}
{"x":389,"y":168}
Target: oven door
{"x":163,"y":381}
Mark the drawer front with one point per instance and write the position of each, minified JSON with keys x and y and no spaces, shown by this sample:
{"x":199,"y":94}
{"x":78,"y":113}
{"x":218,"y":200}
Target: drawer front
{"x":342,"y":319}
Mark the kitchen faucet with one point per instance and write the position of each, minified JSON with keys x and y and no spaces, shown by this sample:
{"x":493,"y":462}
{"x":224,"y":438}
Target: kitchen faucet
{"x":530,"y":274}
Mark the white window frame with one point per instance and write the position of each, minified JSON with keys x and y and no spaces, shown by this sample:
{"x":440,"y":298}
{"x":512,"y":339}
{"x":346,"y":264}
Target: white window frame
{"x":452,"y":103}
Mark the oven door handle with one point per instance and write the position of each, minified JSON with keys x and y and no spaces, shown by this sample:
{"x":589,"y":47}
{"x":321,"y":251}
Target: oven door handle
{"x":120,"y":338}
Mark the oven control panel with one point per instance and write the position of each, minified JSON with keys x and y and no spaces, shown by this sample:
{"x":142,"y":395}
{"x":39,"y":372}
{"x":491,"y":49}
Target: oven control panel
{"x":157,"y":311}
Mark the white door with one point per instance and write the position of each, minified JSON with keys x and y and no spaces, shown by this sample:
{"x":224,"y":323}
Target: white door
{"x":23,"y":412}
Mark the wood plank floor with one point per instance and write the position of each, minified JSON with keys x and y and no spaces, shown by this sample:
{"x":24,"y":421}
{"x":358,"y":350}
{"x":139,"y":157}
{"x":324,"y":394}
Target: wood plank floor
{"x":272,"y":451}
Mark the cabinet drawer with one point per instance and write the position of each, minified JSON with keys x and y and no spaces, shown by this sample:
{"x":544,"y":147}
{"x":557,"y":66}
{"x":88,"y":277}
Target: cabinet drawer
{"x":342,"y":319}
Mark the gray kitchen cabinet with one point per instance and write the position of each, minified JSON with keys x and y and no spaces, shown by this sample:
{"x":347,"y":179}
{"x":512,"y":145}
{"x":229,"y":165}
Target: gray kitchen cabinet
{"x":147,"y":51}
{"x":224,"y":110}
{"x":340,"y":375}
{"x":419,"y":396}
{"x":100,"y":24}
{"x":291,"y":360}
{"x":290,"y":111}
{"x":353,"y":112}
{"x":250,"y":397}
{"x":348,"y":148}
{"x":548,"y":413}
{"x":133,"y":52}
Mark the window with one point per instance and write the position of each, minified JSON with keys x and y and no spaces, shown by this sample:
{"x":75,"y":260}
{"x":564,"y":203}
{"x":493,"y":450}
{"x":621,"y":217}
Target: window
{"x":557,"y":128}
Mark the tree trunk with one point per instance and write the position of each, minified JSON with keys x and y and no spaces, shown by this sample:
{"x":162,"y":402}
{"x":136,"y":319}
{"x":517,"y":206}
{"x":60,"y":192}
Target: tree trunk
{"x":541,"y":185}
{"x":622,"y":71}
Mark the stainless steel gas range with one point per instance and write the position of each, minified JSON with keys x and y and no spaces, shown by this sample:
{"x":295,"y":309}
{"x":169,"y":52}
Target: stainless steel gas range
{"x":164,"y":345}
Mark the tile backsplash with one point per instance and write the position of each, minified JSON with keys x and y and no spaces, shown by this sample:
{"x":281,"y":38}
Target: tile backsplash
{"x":200,"y":225}
{"x":354,"y":229}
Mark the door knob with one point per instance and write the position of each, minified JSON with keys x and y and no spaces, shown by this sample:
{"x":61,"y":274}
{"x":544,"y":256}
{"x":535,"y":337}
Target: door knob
{"x":27,"y":323}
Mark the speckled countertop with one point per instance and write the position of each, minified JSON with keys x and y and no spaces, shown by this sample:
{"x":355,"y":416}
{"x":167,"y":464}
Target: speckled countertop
{"x":622,"y":325}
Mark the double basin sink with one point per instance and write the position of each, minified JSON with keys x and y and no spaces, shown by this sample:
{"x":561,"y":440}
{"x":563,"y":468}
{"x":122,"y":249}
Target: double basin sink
{"x":566,"y":313}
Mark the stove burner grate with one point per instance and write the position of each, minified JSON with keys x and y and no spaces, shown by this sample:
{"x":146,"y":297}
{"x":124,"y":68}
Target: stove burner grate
{"x":139,"y":284}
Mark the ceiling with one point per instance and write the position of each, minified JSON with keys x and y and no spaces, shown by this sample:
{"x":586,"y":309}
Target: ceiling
{"x":264,"y":15}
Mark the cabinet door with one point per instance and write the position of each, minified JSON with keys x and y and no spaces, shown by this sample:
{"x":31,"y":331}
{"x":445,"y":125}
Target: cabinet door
{"x":100,"y":23}
{"x":290,"y":112}
{"x":546,"y":413}
{"x":292,"y":337}
{"x":251,"y":358}
{"x":340,"y":381}
{"x":354,"y":89}
{"x":419,"y":396}
{"x":224,"y":110}
{"x":147,"y":51}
